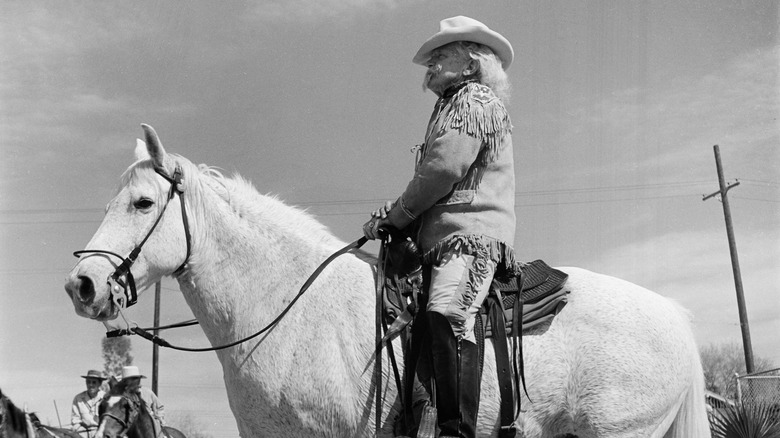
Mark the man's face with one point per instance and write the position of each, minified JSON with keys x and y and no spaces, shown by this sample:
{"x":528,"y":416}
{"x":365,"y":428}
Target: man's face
{"x":133,"y":384}
{"x":445,"y":68}
{"x":93,"y":385}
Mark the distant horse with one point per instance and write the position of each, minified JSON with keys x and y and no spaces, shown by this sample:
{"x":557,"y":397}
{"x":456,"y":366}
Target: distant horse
{"x":124,"y":414}
{"x":45,"y":431}
{"x":14,"y":422}
{"x":618,"y":362}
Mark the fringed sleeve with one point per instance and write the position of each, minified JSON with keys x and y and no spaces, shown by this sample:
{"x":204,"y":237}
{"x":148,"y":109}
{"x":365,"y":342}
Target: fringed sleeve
{"x":477,"y":112}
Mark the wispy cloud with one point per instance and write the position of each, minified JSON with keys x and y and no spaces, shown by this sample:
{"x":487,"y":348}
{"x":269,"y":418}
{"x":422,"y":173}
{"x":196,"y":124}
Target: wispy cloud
{"x":694,"y":268}
{"x":44,"y":47}
{"x":660,"y":132}
{"x":314,"y":11}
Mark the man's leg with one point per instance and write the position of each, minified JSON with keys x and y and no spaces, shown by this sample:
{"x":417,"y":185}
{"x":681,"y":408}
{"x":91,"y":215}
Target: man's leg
{"x":457,"y":288}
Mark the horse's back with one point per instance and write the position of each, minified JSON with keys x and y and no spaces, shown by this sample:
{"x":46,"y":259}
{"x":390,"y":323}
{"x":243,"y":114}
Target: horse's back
{"x":614,"y":302}
{"x":617,"y":352}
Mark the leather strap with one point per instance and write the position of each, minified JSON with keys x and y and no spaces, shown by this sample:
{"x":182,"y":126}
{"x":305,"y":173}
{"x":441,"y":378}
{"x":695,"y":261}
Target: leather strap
{"x":503,"y":370}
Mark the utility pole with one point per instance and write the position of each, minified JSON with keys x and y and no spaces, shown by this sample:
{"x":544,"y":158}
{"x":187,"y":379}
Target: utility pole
{"x":155,"y":347}
{"x":743,"y":319}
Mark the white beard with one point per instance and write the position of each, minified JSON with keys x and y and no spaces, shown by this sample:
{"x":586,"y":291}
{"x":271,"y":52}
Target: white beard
{"x":433,"y":71}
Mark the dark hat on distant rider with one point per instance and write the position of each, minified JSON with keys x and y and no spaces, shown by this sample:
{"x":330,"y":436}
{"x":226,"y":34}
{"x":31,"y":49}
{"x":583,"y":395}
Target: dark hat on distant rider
{"x":95,"y":374}
{"x":462,"y":28}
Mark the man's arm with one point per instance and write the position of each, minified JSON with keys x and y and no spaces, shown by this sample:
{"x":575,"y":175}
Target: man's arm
{"x":446,"y":162}
{"x":75,"y":414}
{"x":157,"y":408}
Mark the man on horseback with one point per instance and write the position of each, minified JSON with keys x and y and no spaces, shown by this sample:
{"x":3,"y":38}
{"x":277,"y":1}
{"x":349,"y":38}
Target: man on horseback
{"x":459,"y":206}
{"x":133,"y":376}
{"x":84,"y":417}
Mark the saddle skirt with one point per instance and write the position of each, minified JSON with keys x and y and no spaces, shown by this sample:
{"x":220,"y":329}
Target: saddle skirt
{"x":542,"y":297}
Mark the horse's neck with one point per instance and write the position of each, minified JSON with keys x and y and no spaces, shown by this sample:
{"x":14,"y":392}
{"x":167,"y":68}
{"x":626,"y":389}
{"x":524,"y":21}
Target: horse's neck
{"x":143,"y":427}
{"x":13,"y":421}
{"x":237,"y":266}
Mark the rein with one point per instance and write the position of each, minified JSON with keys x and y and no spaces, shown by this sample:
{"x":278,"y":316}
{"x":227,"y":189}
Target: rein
{"x":121,"y":281}
{"x":123,"y":288}
{"x":144,"y":333}
{"x":125,"y":424}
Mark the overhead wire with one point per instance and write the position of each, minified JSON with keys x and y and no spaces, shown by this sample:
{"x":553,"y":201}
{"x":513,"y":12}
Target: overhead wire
{"x":374,"y":201}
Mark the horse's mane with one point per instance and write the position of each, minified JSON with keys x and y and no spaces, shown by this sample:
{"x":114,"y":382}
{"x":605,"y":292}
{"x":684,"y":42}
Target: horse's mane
{"x":243,"y":199}
{"x":11,"y":417}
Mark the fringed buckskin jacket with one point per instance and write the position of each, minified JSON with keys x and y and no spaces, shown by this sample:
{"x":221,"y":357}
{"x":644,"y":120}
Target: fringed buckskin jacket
{"x":462,"y":196}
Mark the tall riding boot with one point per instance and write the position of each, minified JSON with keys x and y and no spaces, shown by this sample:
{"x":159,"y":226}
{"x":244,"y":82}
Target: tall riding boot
{"x":457,"y":374}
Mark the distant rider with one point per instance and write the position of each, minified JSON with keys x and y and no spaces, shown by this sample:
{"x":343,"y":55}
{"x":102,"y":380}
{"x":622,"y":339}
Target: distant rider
{"x":84,"y":417}
{"x":132,"y":376}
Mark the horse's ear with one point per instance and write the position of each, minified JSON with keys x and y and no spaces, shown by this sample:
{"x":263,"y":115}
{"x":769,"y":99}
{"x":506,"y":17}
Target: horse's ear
{"x":112,"y":381}
{"x":120,"y":387}
{"x":154,"y":147}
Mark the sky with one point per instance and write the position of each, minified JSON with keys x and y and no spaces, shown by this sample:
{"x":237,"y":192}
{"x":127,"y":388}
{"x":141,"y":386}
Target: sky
{"x":616,"y":107}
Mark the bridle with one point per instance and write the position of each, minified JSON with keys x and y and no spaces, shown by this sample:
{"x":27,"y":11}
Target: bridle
{"x":121,"y":281}
{"x":124,"y":423}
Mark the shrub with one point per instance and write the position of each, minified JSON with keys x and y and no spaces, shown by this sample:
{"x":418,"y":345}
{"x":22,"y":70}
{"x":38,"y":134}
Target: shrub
{"x":746,"y":420}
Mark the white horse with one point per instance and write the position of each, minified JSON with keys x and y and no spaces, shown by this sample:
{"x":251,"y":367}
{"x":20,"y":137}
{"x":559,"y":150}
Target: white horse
{"x":619,"y":361}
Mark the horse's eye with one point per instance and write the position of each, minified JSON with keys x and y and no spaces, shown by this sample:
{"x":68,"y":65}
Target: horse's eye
{"x":143,"y":204}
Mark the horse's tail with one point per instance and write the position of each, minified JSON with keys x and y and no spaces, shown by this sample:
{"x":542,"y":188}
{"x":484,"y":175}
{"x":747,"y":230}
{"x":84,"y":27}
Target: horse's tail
{"x":691,"y":420}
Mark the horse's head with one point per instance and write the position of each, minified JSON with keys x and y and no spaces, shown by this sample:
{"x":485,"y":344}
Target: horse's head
{"x":143,"y":236}
{"x":14,"y":423}
{"x":118,"y":411}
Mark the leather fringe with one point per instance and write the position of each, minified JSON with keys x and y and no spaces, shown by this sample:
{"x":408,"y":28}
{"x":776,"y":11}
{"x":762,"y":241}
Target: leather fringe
{"x":500,"y":252}
{"x":483,"y":116}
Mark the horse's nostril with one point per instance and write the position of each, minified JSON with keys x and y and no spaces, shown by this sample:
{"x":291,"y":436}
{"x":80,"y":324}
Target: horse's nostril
{"x":86,"y":289}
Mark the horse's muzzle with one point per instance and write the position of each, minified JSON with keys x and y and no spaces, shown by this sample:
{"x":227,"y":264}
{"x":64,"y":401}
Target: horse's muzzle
{"x":81,"y":288}
{"x":84,"y":295}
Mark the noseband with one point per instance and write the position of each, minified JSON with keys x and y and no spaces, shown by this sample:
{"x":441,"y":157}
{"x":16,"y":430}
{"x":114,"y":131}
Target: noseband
{"x":122,"y":423}
{"x":126,"y":423}
{"x":121,"y":280}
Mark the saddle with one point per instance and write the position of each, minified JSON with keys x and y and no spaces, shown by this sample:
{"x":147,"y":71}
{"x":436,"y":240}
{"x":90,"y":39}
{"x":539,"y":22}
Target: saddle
{"x":516,"y":305}
{"x":541,"y":298}
{"x":511,"y":308}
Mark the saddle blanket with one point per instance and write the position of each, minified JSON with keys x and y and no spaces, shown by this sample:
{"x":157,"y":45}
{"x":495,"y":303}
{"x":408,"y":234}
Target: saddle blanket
{"x":542,"y":297}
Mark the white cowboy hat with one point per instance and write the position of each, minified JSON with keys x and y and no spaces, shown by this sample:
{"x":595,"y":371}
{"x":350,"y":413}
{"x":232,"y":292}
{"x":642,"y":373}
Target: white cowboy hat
{"x":131,"y":371}
{"x":462,"y":28}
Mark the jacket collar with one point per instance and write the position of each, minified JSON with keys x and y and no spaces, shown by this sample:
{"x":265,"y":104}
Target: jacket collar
{"x":453,"y":90}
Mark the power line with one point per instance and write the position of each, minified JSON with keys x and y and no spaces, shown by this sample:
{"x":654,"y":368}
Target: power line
{"x":612,"y":188}
{"x":378,"y":201}
{"x":767,"y":183}
{"x":50,"y":211}
{"x":345,"y":202}
{"x":742,"y":198}
{"x":374,"y":200}
{"x":50,"y":222}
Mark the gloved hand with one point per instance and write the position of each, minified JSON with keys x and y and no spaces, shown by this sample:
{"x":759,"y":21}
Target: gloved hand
{"x":378,"y":220}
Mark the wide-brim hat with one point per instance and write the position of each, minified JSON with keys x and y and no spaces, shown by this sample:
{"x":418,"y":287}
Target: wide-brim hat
{"x":131,"y":371}
{"x":95,"y":374}
{"x":463,"y":28}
